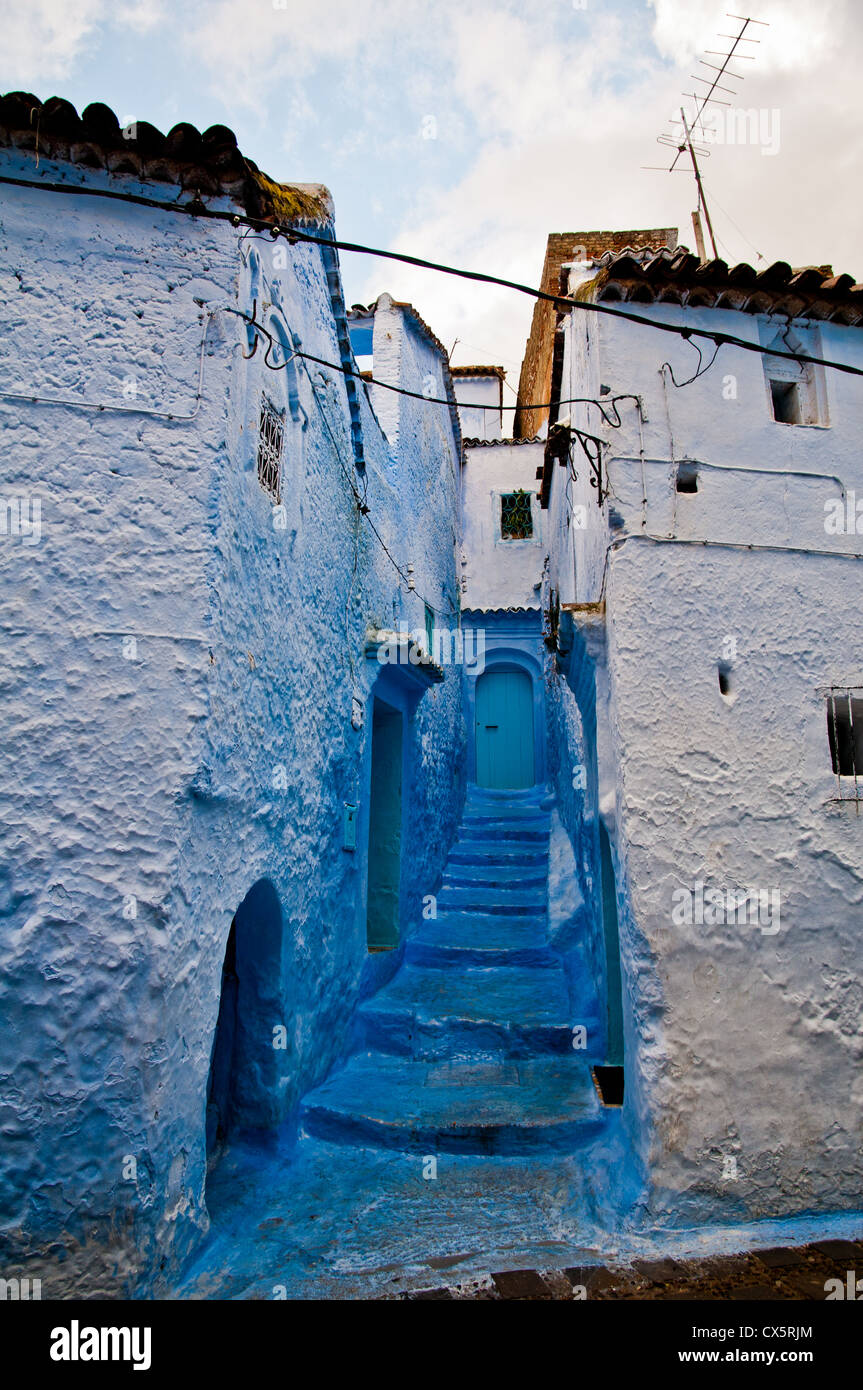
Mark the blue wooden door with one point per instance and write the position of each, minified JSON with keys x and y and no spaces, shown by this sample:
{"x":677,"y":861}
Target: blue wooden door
{"x":504,"y":729}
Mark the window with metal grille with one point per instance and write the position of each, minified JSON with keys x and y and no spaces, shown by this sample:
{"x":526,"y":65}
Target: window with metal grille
{"x":271,"y":436}
{"x":516,"y":518}
{"x":845,"y":733}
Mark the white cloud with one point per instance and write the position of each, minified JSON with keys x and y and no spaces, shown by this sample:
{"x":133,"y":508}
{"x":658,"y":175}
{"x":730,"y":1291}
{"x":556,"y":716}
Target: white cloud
{"x":562,"y":149}
{"x":43,"y":39}
{"x":799,"y":33}
{"x":143,"y":16}
{"x":249,"y":52}
{"x":545,"y":116}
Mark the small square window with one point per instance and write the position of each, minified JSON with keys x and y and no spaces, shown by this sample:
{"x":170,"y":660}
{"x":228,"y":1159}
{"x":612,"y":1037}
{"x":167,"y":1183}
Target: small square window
{"x":795,"y":384}
{"x":786,"y":402}
{"x":687,"y":477}
{"x":516,"y":516}
{"x":270,"y":442}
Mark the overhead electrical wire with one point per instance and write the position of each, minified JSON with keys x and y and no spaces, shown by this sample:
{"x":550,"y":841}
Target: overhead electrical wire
{"x":582,"y":436}
{"x":611,"y":403}
{"x":699,"y":370}
{"x":293,"y":234}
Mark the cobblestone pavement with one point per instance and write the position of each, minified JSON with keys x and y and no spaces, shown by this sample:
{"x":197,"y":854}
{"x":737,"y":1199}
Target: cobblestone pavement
{"x":779,"y":1274}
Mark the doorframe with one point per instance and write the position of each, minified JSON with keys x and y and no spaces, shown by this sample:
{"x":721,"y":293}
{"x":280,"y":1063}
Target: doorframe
{"x":391,"y":691}
{"x":509,"y":658}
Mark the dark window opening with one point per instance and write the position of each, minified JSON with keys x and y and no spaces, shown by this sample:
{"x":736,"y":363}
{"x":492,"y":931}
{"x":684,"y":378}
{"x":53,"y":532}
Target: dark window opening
{"x":786,"y":402}
{"x":270,"y":442}
{"x":429,"y":631}
{"x":609,"y":1083}
{"x":516,"y":517}
{"x":724,"y":679}
{"x":845,"y":732}
{"x":687,"y":477}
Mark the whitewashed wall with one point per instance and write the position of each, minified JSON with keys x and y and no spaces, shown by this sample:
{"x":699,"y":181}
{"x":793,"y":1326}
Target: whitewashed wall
{"x":743,"y":1043}
{"x":480,"y":414}
{"x":499,"y":573}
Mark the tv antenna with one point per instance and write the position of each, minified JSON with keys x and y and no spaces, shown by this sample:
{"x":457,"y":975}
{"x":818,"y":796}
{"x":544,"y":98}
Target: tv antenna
{"x":682,"y":141}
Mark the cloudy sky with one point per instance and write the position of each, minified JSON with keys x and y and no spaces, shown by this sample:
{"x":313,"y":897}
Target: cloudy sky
{"x":465,"y":131}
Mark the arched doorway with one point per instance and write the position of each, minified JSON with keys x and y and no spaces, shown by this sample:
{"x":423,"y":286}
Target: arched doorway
{"x":504,"y":729}
{"x":243,"y":1083}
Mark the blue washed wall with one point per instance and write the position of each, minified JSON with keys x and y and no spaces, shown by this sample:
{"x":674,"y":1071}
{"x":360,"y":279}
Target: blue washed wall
{"x":222,"y":752}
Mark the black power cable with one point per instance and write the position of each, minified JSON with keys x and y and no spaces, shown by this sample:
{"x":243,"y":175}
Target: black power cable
{"x":293,"y":234}
{"x":370,"y":380}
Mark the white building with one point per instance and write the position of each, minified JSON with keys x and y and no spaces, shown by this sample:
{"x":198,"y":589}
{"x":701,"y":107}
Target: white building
{"x":706,"y":591}
{"x":479,"y":392}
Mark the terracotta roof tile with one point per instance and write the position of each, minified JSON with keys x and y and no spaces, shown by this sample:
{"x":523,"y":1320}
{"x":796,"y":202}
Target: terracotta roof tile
{"x":207,"y":163}
{"x":645,"y":276}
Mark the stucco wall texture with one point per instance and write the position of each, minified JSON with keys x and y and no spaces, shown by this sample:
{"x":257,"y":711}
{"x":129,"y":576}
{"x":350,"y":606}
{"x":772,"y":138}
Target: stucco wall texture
{"x":747,"y":1043}
{"x":500,"y":573}
{"x":742,"y":1041}
{"x":181,"y":668}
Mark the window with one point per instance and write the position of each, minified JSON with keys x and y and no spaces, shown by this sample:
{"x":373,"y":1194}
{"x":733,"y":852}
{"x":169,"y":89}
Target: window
{"x":796,"y":388}
{"x":786,"y":401}
{"x":845,"y":733}
{"x":516,"y":517}
{"x":270,"y":441}
{"x":429,"y":631}
{"x":687,"y":477}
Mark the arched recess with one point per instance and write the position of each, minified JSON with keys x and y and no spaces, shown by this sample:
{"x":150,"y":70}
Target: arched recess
{"x":243,"y":1086}
{"x":503,"y":658}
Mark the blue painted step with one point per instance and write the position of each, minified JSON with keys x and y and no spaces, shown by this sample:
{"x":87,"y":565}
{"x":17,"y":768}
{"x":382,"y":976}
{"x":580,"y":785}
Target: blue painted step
{"x":516,"y":902}
{"x":472,"y":938}
{"x":524,"y":815}
{"x":519,"y":852}
{"x":471,"y":1105}
{"x":528,"y":832}
{"x":483,"y":876}
{"x":469,"y":1045}
{"x":426,"y":1011}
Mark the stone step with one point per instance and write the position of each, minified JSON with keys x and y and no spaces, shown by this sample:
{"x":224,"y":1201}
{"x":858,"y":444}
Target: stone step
{"x":498,"y":852}
{"x":482,"y":876}
{"x":500,"y":805}
{"x":503,"y":832}
{"x":501,"y":815}
{"x":537,"y":792}
{"x":516,"y":902}
{"x":435,"y":1011}
{"x":459,"y":939}
{"x":473,"y":1105}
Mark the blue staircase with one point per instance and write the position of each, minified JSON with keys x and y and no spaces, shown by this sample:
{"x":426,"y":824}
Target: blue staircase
{"x":469,"y":1047}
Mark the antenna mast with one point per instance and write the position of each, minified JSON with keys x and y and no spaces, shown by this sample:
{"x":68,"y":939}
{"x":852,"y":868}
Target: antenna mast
{"x":684,"y":143}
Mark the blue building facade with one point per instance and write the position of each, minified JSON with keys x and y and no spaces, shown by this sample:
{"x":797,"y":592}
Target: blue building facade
{"x":194,"y":702}
{"x":316,"y":867}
